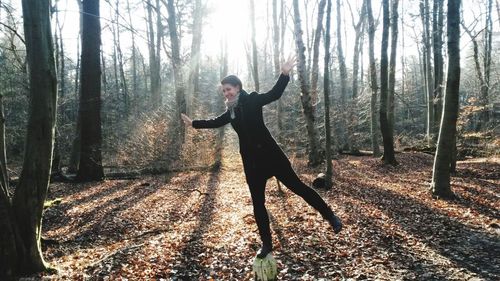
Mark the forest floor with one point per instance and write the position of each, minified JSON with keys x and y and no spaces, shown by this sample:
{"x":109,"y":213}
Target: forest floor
{"x":200,"y":226}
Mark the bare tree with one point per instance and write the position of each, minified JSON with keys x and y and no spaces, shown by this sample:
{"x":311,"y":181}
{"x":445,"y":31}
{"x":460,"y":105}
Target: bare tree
{"x":447,"y":134}
{"x":21,"y":216}
{"x":194,"y":72}
{"x":255,"y":58}
{"x":341,"y":58}
{"x":90,"y":167}
{"x":427,"y":69}
{"x":437,"y":45}
{"x":154,"y":51}
{"x":392,"y":76}
{"x":317,"y":39}
{"x":326,"y":86}
{"x":388,"y":156}
{"x":373,"y":80}
{"x":176,"y":65}
{"x":314,"y":155}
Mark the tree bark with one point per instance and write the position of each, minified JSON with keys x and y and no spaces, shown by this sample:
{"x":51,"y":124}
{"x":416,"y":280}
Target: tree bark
{"x":373,"y":80}
{"x":134,"y":56}
{"x":427,"y":68}
{"x":447,"y":134}
{"x":388,"y":156}
{"x":358,"y":28}
{"x":437,"y":42}
{"x":90,"y":167}
{"x":194,"y":73}
{"x":326,"y":86}
{"x":123,"y":80}
{"x":485,"y":87}
{"x":392,"y":80}
{"x":314,"y":155}
{"x":154,"y":58}
{"x":340,"y":54}
{"x":176,"y":64}
{"x":25,"y":217}
{"x":317,"y":39}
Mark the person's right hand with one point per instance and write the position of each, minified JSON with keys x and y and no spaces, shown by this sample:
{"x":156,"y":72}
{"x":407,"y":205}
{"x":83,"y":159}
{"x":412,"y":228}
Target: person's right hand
{"x":186,"y":120}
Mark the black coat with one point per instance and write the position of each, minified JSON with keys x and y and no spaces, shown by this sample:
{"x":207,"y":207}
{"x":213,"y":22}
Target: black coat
{"x":259,"y":151}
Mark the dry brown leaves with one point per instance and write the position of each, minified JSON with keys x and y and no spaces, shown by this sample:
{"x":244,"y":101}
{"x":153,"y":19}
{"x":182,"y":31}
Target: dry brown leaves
{"x":200,"y":226}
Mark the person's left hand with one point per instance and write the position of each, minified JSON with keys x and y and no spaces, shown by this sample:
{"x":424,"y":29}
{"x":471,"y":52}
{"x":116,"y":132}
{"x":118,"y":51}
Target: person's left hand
{"x":289,"y":64}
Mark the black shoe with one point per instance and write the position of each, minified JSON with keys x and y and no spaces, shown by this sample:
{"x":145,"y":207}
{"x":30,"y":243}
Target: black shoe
{"x":262,"y":253}
{"x":335,"y":223}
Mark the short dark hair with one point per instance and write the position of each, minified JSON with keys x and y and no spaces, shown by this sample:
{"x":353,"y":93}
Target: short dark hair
{"x":232,"y":80}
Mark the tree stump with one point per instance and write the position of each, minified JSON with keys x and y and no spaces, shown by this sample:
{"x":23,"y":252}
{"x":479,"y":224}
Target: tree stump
{"x":265,"y":269}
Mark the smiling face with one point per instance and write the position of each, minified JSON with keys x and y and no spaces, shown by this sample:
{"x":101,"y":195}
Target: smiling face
{"x":230,"y":91}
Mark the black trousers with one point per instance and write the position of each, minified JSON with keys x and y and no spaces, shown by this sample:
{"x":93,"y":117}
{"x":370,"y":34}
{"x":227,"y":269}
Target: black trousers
{"x":257,"y":179}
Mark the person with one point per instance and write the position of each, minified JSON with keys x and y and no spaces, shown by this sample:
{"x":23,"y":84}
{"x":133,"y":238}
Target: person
{"x":261,"y":155}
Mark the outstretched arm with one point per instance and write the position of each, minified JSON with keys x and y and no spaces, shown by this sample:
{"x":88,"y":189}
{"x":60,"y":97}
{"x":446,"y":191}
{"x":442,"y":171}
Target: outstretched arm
{"x":276,"y":92}
{"x":216,"y":122}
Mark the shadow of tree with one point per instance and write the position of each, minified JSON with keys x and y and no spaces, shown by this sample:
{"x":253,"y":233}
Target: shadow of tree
{"x":472,"y":249}
{"x":194,"y":243}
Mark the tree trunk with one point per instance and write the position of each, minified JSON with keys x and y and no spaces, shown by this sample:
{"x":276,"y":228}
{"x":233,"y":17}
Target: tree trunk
{"x":31,"y":191}
{"x":392,"y":81}
{"x":255,"y":58}
{"x":10,"y":248}
{"x":277,"y":65}
{"x":373,"y":80}
{"x":123,"y":80}
{"x":358,"y":28}
{"x":447,"y":134}
{"x":388,"y":156}
{"x":326,"y":86}
{"x":437,"y":38}
{"x":176,"y":65}
{"x":314,"y":155}
{"x":194,"y":73}
{"x":154,"y":59}
{"x":90,"y":167}
{"x":488,"y":32}
{"x":317,"y":39}
{"x":74,"y":160}
{"x":340,"y":54}
{"x":133,"y":58}
{"x":427,"y":67}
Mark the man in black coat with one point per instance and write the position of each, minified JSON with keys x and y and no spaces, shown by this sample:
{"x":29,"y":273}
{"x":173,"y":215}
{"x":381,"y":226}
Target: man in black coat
{"x":262,"y":157}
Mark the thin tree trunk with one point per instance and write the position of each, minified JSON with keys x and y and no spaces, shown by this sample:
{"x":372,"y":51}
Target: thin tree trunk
{"x":373,"y":80}
{"x":388,"y":156}
{"x":340,"y":54}
{"x":427,"y":68}
{"x":358,"y":28}
{"x":277,"y":65}
{"x":314,"y":155}
{"x":326,"y":86}
{"x":90,"y":167}
{"x":447,"y":134}
{"x":133,"y":58}
{"x":194,"y":73}
{"x":392,"y":80}
{"x":74,"y":160}
{"x":255,"y":58}
{"x":123,"y":80}
{"x":437,"y":32}
{"x":10,"y":247}
{"x":154,"y":59}
{"x":315,"y":60}
{"x":176,"y":64}
{"x":488,"y":32}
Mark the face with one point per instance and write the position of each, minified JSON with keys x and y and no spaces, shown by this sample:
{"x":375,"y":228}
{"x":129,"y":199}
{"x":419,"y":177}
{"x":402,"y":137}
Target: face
{"x":230,"y":91}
